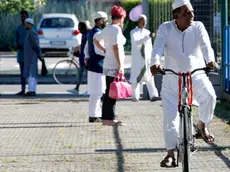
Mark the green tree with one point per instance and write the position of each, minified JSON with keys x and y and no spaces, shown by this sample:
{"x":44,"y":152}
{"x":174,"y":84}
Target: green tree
{"x":14,"y":6}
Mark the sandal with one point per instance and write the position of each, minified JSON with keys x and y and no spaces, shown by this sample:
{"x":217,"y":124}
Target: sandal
{"x":205,"y":135}
{"x":168,"y":162}
{"x":135,"y":100}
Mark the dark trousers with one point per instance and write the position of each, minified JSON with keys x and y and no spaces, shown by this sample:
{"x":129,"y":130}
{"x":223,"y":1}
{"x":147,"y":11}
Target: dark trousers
{"x":108,"y":107}
{"x":81,"y":73}
{"x":23,"y":79}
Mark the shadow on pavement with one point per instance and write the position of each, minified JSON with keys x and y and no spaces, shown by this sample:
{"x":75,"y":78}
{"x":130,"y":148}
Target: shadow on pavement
{"x":120,"y":157}
{"x":218,"y":152}
{"x":43,"y":126}
{"x":41,"y":96}
{"x":222,"y":111}
{"x":119,"y":150}
{"x":40,"y":123}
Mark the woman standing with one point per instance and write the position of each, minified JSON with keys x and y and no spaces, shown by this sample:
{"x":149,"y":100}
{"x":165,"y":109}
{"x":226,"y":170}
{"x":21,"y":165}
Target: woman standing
{"x":114,"y":60}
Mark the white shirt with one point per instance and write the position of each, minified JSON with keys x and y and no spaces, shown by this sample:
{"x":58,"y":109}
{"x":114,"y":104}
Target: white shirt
{"x":96,"y":49}
{"x":183,"y":51}
{"x":138,"y":38}
{"x":112,"y":35}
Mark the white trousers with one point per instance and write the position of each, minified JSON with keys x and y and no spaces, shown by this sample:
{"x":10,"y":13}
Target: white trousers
{"x":96,"y":88}
{"x":153,"y":92}
{"x":203,"y":92}
{"x":32,"y":82}
{"x":95,"y":106}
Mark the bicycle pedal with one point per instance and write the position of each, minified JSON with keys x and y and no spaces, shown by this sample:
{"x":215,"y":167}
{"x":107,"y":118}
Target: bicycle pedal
{"x":197,"y":136}
{"x":193,"y":149}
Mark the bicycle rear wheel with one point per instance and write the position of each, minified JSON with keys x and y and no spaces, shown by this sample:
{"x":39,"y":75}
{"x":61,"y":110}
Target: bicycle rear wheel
{"x":186,"y":143}
{"x":65,"y":72}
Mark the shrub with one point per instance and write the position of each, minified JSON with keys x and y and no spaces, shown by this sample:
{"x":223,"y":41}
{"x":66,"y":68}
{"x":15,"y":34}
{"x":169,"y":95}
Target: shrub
{"x":83,"y":11}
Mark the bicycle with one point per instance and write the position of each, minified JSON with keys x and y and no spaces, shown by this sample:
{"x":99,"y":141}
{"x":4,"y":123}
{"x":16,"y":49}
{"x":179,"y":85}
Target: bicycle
{"x":186,"y":142}
{"x":66,"y":71}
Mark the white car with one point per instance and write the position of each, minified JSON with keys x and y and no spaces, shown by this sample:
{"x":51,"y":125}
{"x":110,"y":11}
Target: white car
{"x":58,"y":32}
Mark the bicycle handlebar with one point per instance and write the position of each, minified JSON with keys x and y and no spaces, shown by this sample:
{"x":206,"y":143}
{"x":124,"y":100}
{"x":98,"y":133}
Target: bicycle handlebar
{"x":205,"y":69}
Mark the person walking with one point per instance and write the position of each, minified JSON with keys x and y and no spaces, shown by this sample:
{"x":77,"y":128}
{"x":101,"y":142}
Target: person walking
{"x":95,"y":58}
{"x":32,"y":52}
{"x":21,"y":33}
{"x":185,"y":44}
{"x":84,"y":29}
{"x":141,"y":57}
{"x":113,"y":47}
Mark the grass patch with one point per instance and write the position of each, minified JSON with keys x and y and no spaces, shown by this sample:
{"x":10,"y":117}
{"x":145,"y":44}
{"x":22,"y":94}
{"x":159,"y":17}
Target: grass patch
{"x":96,"y":143}
{"x":9,"y":160}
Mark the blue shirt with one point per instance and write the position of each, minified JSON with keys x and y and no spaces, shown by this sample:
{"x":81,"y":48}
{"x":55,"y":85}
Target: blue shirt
{"x":21,"y":34}
{"x":83,"y":43}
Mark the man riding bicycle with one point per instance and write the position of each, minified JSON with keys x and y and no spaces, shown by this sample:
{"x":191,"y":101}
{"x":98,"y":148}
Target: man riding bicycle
{"x":185,"y":44}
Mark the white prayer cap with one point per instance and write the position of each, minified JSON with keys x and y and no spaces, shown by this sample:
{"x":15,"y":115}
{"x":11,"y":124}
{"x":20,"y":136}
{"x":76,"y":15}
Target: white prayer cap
{"x":100,"y":14}
{"x":30,"y":21}
{"x":179,"y":3}
{"x":142,"y":16}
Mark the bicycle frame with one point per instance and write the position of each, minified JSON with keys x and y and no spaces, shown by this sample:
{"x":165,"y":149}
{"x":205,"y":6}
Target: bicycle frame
{"x":187,"y":139}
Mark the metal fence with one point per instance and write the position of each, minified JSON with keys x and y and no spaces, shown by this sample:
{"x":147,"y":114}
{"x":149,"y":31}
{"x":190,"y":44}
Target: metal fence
{"x":82,"y":9}
{"x":206,"y":11}
{"x":226,"y":60}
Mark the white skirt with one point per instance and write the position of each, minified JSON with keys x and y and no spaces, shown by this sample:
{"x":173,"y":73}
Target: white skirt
{"x":96,"y":83}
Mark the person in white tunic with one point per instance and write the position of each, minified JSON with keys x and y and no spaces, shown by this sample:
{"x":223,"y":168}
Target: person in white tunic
{"x":113,"y":47}
{"x":185,"y":44}
{"x":96,"y":79}
{"x":141,"y":56}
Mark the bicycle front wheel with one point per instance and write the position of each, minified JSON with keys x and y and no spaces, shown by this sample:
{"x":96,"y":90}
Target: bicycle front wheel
{"x":186,"y":143}
{"x":65,"y":72}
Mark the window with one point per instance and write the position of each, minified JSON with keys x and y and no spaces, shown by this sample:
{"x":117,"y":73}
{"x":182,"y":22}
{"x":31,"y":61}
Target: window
{"x":57,"y":23}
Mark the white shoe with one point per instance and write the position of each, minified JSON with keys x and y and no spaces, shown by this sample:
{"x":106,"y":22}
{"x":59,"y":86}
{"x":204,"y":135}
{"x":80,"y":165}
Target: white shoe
{"x":73,"y":91}
{"x":85,"y":93}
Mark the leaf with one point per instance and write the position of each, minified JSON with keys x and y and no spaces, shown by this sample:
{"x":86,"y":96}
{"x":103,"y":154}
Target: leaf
{"x":14,"y":6}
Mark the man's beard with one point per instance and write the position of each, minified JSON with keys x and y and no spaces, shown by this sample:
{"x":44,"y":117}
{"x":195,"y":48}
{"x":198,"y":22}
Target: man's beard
{"x":103,"y":26}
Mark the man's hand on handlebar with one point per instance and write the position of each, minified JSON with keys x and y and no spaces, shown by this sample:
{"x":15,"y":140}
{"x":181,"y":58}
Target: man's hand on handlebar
{"x":212,"y":65}
{"x":155,"y":69}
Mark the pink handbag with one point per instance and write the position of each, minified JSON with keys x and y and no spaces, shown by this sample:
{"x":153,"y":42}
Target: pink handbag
{"x":120,"y":89}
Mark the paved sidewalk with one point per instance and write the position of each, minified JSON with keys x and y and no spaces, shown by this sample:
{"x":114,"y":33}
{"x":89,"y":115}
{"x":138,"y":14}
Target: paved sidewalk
{"x":53,"y":135}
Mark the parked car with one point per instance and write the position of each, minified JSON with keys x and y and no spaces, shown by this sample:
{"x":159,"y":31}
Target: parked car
{"x":58,"y":32}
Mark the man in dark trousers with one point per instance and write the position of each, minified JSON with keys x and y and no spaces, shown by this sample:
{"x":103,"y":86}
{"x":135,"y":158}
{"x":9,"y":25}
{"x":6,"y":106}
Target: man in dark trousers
{"x":84,"y":28}
{"x":21,"y":33}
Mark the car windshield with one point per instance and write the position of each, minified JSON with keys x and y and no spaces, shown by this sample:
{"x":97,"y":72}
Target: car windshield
{"x":57,"y":23}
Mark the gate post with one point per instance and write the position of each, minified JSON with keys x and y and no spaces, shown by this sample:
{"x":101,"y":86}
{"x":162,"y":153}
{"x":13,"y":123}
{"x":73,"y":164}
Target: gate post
{"x":224,"y":22}
{"x":145,"y":4}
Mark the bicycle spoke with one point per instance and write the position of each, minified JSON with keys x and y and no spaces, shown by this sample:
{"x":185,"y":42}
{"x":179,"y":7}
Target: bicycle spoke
{"x":65,"y":72}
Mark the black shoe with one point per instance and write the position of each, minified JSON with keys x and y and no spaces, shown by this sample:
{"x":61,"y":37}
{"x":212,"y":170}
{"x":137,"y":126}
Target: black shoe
{"x":92,"y":119}
{"x":155,"y":99}
{"x":30,"y":93}
{"x":21,"y":93}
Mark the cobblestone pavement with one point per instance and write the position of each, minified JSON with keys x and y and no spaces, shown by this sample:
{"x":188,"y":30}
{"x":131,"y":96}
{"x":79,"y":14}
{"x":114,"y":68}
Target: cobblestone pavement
{"x":53,"y":135}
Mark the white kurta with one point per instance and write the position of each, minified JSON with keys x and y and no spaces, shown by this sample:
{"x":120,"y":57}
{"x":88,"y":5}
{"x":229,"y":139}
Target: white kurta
{"x":96,"y":81}
{"x":96,"y":85}
{"x":141,"y":37}
{"x":183,"y":51}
